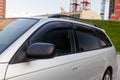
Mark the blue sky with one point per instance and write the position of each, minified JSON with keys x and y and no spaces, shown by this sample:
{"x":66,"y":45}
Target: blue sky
{"x":36,"y":7}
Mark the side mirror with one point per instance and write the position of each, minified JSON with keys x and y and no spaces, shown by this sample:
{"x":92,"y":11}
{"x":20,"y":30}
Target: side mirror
{"x":40,"y":50}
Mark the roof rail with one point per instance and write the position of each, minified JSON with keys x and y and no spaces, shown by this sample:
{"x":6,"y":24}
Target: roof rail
{"x":71,"y":17}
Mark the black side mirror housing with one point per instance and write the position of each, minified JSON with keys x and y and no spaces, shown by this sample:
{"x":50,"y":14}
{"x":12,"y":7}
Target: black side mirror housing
{"x":40,"y":50}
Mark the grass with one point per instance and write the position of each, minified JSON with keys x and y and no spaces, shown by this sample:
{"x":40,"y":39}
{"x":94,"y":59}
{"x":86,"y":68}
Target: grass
{"x":113,"y":30}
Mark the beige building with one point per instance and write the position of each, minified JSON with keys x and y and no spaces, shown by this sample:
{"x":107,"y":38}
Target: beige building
{"x":83,"y":14}
{"x":88,"y":14}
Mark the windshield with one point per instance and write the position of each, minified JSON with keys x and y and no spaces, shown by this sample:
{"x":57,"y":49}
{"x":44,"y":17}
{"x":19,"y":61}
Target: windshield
{"x":12,"y":29}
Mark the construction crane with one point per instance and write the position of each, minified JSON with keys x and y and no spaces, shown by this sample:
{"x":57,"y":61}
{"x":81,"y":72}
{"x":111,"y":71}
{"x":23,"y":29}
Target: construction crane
{"x":103,"y":9}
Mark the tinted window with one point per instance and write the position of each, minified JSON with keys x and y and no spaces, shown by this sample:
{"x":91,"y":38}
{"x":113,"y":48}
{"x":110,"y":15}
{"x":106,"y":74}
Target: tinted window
{"x":103,"y":39}
{"x":86,"y":41}
{"x":60,"y":38}
{"x":11,"y":29}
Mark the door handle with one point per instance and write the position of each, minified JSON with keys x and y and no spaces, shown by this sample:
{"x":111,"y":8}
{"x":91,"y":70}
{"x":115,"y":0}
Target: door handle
{"x":75,"y":68}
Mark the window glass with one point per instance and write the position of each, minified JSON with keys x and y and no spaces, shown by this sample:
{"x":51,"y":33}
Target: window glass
{"x":11,"y":29}
{"x":103,"y":39}
{"x":86,"y":41}
{"x":60,"y":38}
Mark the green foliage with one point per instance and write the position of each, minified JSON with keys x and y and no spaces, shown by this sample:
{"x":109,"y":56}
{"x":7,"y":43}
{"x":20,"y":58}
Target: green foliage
{"x":113,"y":30}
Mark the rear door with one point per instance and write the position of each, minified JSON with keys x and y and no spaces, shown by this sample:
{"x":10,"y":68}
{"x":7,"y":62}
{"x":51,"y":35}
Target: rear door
{"x":64,"y":66}
{"x":92,"y":56}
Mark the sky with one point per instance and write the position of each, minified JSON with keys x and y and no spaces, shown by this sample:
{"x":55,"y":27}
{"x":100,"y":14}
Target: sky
{"x":21,"y":8}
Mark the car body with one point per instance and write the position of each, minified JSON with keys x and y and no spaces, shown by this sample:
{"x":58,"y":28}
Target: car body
{"x":55,"y":49}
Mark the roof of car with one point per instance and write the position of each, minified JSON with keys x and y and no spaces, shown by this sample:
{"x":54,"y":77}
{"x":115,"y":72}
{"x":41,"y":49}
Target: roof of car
{"x":60,"y":19}
{"x":72,"y":21}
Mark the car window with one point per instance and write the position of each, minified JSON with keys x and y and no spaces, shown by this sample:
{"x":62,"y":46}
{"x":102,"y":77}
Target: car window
{"x":60,"y":38}
{"x":12,"y":29}
{"x":86,"y":41}
{"x":103,"y":39}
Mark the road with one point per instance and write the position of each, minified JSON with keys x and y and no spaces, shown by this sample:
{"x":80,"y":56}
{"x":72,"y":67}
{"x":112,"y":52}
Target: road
{"x":118,"y":59}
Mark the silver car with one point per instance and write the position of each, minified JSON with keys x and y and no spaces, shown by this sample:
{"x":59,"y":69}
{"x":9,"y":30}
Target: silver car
{"x":55,"y":49}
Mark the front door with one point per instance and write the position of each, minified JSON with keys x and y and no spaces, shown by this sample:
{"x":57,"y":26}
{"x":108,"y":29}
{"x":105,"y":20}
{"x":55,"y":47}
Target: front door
{"x":65,"y":65}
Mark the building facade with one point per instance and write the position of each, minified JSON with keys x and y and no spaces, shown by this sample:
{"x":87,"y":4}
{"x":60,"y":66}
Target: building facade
{"x":83,"y":14}
{"x":2,"y":8}
{"x":114,"y":12}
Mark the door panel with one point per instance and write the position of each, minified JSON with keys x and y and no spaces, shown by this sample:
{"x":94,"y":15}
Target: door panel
{"x":67,"y":67}
{"x":94,"y":65}
{"x":63,"y":67}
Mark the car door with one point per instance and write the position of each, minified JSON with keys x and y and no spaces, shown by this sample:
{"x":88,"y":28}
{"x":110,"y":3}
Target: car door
{"x":65,"y":65}
{"x":89,"y":49}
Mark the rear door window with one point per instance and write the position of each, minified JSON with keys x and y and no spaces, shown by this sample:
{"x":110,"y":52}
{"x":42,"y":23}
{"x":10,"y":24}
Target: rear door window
{"x":86,"y":39}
